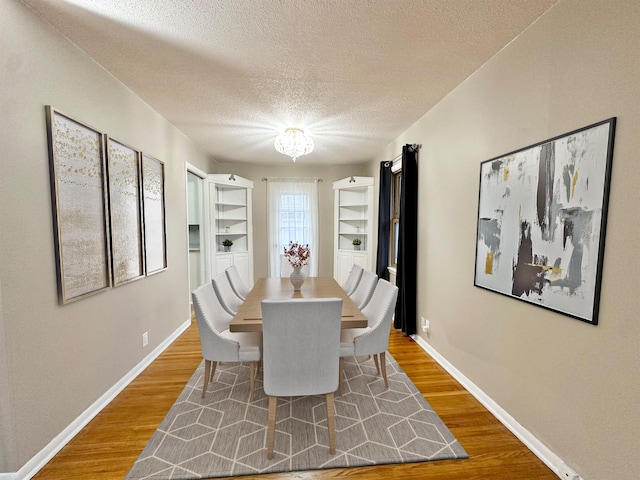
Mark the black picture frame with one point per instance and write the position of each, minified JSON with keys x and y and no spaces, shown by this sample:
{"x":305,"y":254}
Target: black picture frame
{"x":542,"y":214}
{"x":155,"y":229}
{"x":79,"y":202}
{"x":125,"y":212}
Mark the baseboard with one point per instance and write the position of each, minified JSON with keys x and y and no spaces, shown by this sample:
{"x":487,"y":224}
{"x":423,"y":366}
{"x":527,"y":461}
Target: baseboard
{"x":532,"y":443}
{"x":47,"y":453}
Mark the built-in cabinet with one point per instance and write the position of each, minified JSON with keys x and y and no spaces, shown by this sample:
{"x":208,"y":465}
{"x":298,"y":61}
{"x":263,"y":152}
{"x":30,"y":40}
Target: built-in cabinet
{"x":230,"y":221}
{"x":353,"y":210}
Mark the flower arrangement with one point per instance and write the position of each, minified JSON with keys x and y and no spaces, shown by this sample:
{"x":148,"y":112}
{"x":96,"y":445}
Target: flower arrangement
{"x":297,"y":254}
{"x":357,"y":241}
{"x":227,"y":243}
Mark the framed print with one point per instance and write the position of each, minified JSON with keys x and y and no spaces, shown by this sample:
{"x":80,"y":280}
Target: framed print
{"x":154,"y":215}
{"x":125,"y":212}
{"x":79,"y":202}
{"x":542,"y":218}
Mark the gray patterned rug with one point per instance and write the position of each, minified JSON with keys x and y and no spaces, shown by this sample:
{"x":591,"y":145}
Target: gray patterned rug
{"x":224,"y":435}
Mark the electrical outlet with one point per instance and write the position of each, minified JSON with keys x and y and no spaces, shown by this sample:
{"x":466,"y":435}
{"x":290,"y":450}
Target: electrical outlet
{"x":567,"y":473}
{"x":425,"y":324}
{"x":145,"y":339}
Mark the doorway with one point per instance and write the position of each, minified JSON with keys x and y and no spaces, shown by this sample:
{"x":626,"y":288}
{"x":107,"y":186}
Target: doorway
{"x":195,"y":228}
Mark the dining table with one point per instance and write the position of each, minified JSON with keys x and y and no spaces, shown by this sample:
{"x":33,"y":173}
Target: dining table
{"x":249,"y":315}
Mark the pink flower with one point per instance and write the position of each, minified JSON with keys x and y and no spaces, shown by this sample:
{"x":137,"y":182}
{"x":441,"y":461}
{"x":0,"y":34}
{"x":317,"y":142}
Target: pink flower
{"x":297,"y":254}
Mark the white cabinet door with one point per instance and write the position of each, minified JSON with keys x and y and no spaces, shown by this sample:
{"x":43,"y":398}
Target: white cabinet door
{"x":241,"y":261}
{"x":362,"y":259}
{"x":346,"y":260}
{"x":223,"y":262}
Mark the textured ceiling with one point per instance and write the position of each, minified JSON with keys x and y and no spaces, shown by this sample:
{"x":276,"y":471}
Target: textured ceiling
{"x":232,"y":74}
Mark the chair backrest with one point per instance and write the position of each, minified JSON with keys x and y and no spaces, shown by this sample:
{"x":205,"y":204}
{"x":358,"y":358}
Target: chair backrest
{"x":379,"y":311}
{"x":301,"y":345}
{"x":364,"y":289}
{"x":236,"y":282}
{"x":228,"y":298}
{"x":353,"y":279}
{"x":212,"y":319}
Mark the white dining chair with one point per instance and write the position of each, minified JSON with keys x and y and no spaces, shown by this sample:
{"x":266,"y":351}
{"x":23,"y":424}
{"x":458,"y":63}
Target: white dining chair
{"x":301,"y":347}
{"x":228,"y":298}
{"x":364,"y":289}
{"x":353,"y":279}
{"x":374,"y":339}
{"x":239,"y":287}
{"x":217,"y":342}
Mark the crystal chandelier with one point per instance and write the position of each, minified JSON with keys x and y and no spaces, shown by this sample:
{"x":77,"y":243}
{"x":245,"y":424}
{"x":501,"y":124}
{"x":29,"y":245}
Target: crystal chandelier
{"x":294,"y":142}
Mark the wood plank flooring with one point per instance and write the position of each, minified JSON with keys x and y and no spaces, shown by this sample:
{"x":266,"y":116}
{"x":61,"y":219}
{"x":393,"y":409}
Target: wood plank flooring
{"x":109,"y":445}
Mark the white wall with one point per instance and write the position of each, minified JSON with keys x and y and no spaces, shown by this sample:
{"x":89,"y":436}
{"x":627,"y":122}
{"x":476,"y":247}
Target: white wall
{"x":572,"y":385}
{"x":57,"y":360}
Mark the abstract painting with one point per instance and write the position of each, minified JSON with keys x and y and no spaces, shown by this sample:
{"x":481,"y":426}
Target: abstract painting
{"x":542,"y":220}
{"x":125,"y":208}
{"x":78,"y":192}
{"x":154,"y":215}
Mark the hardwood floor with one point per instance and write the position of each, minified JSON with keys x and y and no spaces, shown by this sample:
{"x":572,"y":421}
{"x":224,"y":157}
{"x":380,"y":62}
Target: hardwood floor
{"x":108,"y":446}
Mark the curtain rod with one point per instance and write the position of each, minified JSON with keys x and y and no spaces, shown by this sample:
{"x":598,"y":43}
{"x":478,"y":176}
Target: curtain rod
{"x":291,"y":179}
{"x":414,"y":146}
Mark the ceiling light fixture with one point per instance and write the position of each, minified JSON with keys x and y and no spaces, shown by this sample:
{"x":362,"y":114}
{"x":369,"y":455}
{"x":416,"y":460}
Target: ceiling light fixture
{"x":294,"y":142}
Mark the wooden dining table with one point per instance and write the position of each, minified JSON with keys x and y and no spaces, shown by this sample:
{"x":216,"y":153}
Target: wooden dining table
{"x":249,"y":316}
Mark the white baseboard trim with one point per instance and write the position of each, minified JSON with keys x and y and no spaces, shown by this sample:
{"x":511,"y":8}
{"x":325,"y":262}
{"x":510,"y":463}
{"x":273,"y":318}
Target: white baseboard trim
{"x":536,"y":446}
{"x":47,"y":453}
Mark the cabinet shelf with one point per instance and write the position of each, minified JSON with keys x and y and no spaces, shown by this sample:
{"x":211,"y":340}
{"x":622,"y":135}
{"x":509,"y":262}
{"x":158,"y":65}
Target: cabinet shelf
{"x":353,"y":201}
{"x":354,"y":205}
{"x":230,"y":218}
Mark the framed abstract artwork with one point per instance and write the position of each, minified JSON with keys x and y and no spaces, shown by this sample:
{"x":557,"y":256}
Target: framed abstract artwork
{"x":79,"y":201}
{"x":125,"y":212}
{"x":542,"y":213}
{"x":155,"y":234}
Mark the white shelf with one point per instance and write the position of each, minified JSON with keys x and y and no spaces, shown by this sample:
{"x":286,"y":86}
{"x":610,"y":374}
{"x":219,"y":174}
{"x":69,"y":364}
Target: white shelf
{"x":230,"y":218}
{"x":353,"y":200}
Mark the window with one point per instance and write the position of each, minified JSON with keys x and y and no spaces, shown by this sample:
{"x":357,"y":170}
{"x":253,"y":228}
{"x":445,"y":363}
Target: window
{"x":295,"y":219}
{"x":292,"y":217}
{"x":395,"y":218}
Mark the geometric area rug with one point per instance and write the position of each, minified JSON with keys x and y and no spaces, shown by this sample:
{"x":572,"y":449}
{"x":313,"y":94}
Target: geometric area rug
{"x":225,"y":435}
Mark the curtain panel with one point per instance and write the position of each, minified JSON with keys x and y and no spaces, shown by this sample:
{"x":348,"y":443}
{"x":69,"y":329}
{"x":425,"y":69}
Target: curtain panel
{"x":407,"y":269}
{"x":292,"y":210}
{"x":384,"y":220}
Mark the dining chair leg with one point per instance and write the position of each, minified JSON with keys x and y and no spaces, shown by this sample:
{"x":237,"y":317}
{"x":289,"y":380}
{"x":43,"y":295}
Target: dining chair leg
{"x":207,"y":372}
{"x":375,"y":359}
{"x":331,"y":423}
{"x":271,"y":428}
{"x":213,"y":370}
{"x":383,"y":365}
{"x":252,"y":379}
{"x":340,"y":375}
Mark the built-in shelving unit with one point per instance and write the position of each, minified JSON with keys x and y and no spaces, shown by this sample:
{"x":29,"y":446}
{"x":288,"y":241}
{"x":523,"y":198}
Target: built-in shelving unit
{"x":353,"y":201}
{"x":231,"y":219}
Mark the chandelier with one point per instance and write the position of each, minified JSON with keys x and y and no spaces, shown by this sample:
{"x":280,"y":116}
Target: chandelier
{"x":294,"y":142}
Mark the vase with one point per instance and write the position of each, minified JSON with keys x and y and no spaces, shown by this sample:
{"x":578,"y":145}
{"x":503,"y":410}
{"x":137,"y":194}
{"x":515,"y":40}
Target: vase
{"x":297,"y":278}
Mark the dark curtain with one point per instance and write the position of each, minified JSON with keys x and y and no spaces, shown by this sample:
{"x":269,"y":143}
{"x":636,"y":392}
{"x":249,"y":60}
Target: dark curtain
{"x":407,"y":269}
{"x":384,"y":220}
